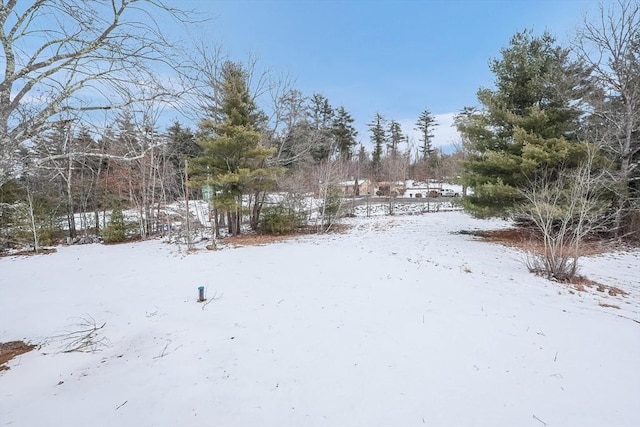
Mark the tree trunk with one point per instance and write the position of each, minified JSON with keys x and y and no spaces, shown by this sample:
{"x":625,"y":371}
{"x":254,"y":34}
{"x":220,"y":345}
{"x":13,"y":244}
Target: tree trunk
{"x":97,"y":216}
{"x":70,"y":211}
{"x":256,"y":209}
{"x":32,"y":220}
{"x":216,"y":223}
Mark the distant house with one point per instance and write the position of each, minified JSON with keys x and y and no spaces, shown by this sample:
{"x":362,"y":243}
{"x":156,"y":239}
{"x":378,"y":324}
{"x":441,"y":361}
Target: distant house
{"x":395,"y":189}
{"x":350,"y":188}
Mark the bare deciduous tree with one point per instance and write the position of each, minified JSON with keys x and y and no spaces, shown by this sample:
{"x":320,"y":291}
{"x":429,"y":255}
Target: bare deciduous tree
{"x":72,"y":58}
{"x":610,"y":46}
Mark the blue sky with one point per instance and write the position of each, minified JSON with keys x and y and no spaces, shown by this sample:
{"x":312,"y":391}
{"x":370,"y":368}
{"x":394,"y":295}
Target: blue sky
{"x":393,"y":57}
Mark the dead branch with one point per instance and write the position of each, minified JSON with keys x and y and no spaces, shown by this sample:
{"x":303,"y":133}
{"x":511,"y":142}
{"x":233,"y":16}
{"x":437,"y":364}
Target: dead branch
{"x":85,"y":339}
{"x":536,"y":418}
{"x":66,"y":59}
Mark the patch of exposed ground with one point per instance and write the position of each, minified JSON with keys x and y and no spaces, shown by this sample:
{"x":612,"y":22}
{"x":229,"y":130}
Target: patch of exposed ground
{"x":11,"y":349}
{"x":252,"y":239}
{"x":529,"y":240}
{"x":257,"y":239}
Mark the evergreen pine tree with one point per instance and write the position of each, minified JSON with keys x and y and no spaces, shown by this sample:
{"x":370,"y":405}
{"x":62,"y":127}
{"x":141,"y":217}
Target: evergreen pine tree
{"x":526,"y":126}
{"x":182,"y":145}
{"x":395,"y":137}
{"x":233,"y":161}
{"x":116,"y":230}
{"x":425,"y":124}
{"x":321,"y":116}
{"x":379,"y":139}
{"x":344,"y":133}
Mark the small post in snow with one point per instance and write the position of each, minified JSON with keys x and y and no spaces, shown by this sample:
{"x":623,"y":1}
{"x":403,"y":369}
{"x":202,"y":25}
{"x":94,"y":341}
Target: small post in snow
{"x":201,"y":297}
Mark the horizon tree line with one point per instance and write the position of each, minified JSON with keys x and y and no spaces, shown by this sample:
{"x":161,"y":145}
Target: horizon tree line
{"x":257,"y":134}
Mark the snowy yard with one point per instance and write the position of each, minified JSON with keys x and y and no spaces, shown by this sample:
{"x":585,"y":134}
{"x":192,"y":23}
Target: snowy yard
{"x":399,"y":321}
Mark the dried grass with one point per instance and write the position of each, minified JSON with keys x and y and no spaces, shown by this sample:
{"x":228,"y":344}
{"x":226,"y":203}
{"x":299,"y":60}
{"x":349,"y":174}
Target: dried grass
{"x":603,"y":304}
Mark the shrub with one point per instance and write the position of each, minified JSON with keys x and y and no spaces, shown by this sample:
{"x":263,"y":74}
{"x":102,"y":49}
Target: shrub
{"x":279,"y":219}
{"x":116,"y":230}
{"x":332,"y":204}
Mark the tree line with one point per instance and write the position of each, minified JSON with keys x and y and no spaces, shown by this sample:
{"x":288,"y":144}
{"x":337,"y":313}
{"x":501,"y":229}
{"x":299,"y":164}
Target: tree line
{"x":80,"y":136}
{"x":81,"y":139}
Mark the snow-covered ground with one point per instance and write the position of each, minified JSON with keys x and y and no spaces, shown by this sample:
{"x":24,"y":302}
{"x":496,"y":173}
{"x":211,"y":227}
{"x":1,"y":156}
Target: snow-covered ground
{"x":399,"y":321}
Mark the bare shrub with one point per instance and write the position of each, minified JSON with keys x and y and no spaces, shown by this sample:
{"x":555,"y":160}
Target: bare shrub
{"x":566,"y":207}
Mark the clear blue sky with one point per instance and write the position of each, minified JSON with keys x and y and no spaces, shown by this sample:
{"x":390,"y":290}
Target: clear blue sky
{"x":393,"y":57}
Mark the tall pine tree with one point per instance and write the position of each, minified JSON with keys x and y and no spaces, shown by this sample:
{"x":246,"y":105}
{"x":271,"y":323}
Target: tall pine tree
{"x":395,"y":138}
{"x":527,"y":124}
{"x":181,"y":145}
{"x":233,"y":161}
{"x":425,"y":124}
{"x":378,"y":139}
{"x":344,"y":133}
{"x":321,"y":116}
